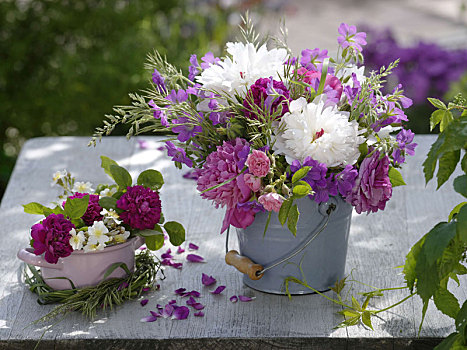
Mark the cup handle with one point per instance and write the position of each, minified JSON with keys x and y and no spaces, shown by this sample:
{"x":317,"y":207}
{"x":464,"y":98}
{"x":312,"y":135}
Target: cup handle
{"x":30,"y":258}
{"x":139,"y":241}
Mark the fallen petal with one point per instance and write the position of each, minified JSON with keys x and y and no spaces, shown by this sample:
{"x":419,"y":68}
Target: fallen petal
{"x":173,"y":301}
{"x":218,"y":290}
{"x":180,"y":291}
{"x":149,"y":319}
{"x":195,"y":293}
{"x":166,"y":262}
{"x":194,"y":258}
{"x":207,"y":280}
{"x":144,"y":302}
{"x":233,"y":298}
{"x":146,"y":289}
{"x":155,"y":314}
{"x":180,"y":250}
{"x":181,"y":313}
{"x":198,"y":306}
{"x":159,"y":307}
{"x":245,"y":298}
{"x":166,"y":256}
{"x":199,"y":314}
{"x":168,"y":311}
{"x":191,"y":301}
{"x":142,"y":248}
{"x":177,"y":265}
{"x":193,"y":246}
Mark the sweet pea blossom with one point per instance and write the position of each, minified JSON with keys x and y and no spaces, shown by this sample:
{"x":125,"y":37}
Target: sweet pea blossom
{"x":178,"y":154}
{"x":271,"y":201}
{"x":258,"y":163}
{"x":350,"y":38}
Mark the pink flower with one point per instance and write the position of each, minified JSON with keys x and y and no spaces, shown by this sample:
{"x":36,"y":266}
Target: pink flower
{"x":253,"y":182}
{"x":271,"y":201}
{"x":238,"y":217}
{"x":332,"y":86}
{"x":372,"y":188}
{"x":141,"y":207}
{"x":258,"y":163}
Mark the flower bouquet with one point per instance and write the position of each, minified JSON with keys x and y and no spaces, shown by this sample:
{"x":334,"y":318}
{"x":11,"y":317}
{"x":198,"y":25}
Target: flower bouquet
{"x":89,"y":233}
{"x":263,"y":129}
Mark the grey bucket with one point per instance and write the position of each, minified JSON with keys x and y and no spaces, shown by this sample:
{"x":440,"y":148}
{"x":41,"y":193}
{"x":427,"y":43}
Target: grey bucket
{"x":322,"y":261}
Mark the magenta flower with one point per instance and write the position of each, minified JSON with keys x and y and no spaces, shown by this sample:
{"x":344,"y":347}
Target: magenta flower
{"x":350,"y":38}
{"x":332,"y":86}
{"x":258,"y":163}
{"x":181,"y":313}
{"x":271,"y":201}
{"x":52,"y":236}
{"x":372,"y":188}
{"x":141,"y":207}
{"x":253,"y":182}
{"x":238,"y":216}
{"x":93,"y":213}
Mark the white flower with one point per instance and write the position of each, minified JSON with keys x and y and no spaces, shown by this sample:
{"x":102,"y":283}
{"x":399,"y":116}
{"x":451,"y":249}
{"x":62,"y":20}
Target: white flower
{"x":110,"y":216}
{"x":77,"y":239}
{"x":97,"y":233}
{"x":323,"y":133}
{"x":90,"y":247}
{"x":242,"y":68}
{"x":109,"y":192}
{"x":83,"y":187}
{"x":58,"y":175}
{"x":120,"y":238}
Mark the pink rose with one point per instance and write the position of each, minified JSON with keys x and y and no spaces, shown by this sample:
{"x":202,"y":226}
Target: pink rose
{"x":258,"y":163}
{"x":253,"y":182}
{"x":271,"y":201}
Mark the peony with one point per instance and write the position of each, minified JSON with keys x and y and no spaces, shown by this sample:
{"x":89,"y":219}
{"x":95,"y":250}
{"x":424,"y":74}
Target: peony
{"x":93,"y":213}
{"x":322,"y":133}
{"x":271,"y":201}
{"x":372,"y":188}
{"x":141,"y":207}
{"x":52,"y":236}
{"x":258,"y":163}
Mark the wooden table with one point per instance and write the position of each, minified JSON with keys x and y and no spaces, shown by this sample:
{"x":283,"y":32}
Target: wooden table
{"x":378,"y":243}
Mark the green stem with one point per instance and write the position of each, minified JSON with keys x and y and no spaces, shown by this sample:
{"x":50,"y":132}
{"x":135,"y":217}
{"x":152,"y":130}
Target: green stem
{"x":394,"y":305}
{"x":225,"y":182}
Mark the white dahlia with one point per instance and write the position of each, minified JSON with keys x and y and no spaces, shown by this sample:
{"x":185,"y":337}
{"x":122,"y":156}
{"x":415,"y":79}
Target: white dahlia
{"x":242,"y":68}
{"x":323,"y":133}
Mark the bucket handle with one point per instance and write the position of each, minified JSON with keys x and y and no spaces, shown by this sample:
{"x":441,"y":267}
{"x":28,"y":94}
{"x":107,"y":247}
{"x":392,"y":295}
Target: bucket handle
{"x":30,"y":258}
{"x":255,"y":271}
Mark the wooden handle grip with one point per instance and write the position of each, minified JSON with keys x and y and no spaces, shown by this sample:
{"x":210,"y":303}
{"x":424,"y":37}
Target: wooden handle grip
{"x":243,"y":264}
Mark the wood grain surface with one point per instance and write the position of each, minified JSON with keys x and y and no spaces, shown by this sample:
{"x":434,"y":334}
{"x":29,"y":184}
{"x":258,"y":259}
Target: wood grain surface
{"x":378,"y":243}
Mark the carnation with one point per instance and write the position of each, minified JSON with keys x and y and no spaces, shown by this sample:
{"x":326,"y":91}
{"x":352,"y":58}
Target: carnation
{"x":141,"y":207}
{"x":52,"y":236}
{"x":372,"y":187}
{"x":93,"y":213}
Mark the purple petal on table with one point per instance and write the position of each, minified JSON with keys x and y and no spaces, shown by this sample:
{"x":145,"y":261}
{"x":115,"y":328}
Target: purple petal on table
{"x":159,"y":307}
{"x":144,"y":302}
{"x":149,"y":319}
{"x":181,"y":313}
{"x":245,"y":298}
{"x":198,"y":306}
{"x":207,"y":280}
{"x":194,"y":258}
{"x":142,"y":248}
{"x":146,"y":289}
{"x":180,"y":291}
{"x":191,"y":301}
{"x":195,"y":293}
{"x":233,"y":298}
{"x":123,"y":285}
{"x":173,"y":301}
{"x":166,"y":237}
{"x":168,"y":311}
{"x":155,"y":314}
{"x":199,"y":314}
{"x":180,"y":250}
{"x":177,"y":266}
{"x":167,"y":255}
{"x":218,"y":290}
{"x":166,"y":262}
{"x":158,"y":286}
{"x":143,"y":144}
{"x":193,"y":246}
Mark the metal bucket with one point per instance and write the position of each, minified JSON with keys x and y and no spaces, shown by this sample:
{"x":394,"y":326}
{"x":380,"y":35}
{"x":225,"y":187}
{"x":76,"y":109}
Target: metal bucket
{"x":322,"y":261}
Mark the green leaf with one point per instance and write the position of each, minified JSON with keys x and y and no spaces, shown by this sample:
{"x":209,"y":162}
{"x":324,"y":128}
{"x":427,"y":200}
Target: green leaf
{"x":410,"y":263}
{"x":349,"y":313}
{"x":176,"y":232}
{"x":106,"y":162}
{"x":35,"y":208}
{"x":460,"y":185}
{"x":395,"y":177}
{"x":300,"y":174}
{"x":300,"y":191}
{"x":446,"y":119}
{"x":366,"y":319}
{"x":446,"y":302}
{"x":462,"y":224}
{"x":149,"y":233}
{"x":115,"y":266}
{"x":456,"y":135}
{"x":267,"y":223}
{"x":151,"y":178}
{"x":437,"y":103}
{"x":429,"y":164}
{"x":456,"y":210}
{"x":461,"y":322}
{"x":108,"y":202}
{"x":154,"y":242}
{"x":293,"y":219}
{"x":464,"y":162}
{"x":448,"y":343}
{"x":76,"y":207}
{"x":435,"y":118}
{"x":355,"y":304}
{"x":284,"y":210}
{"x":324,"y":73}
{"x":121,"y":176}
{"x":447,"y":165}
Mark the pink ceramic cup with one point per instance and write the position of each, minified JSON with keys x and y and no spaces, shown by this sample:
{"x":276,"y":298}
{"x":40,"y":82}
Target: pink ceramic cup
{"x":84,"y":269}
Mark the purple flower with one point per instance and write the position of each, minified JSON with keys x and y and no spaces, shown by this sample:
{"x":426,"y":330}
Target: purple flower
{"x":145,"y":289}
{"x":372,"y":188}
{"x":218,"y":290}
{"x":93,"y":213}
{"x":194,"y":68}
{"x":193,"y":246}
{"x":158,"y":80}
{"x":346,"y":180}
{"x":185,"y":128}
{"x":208,"y":60}
{"x":332,"y":86}
{"x":405,"y":146}
{"x":253,"y":205}
{"x":177,"y":96}
{"x":52,"y":236}
{"x":266,"y":94}
{"x":158,"y":113}
{"x":178,"y":154}
{"x":141,"y":207}
{"x":194,"y":258}
{"x":350,"y":38}
{"x":207,"y":280}
{"x":312,"y":59}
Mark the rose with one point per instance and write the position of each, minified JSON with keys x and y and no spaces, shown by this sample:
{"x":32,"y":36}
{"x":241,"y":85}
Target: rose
{"x":253,"y":182}
{"x":271,"y":201}
{"x":258,"y":163}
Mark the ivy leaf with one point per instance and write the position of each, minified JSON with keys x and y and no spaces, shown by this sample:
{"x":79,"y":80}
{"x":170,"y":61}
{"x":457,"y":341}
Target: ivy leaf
{"x":395,"y":177}
{"x":435,"y":118}
{"x":108,"y":202}
{"x":176,"y":232}
{"x":456,"y":210}
{"x":446,"y":302}
{"x":284,"y":210}
{"x":76,"y":207}
{"x":460,"y":185}
{"x":34,"y":208}
{"x":121,"y":176}
{"x":366,"y":319}
{"x":293,"y":219}
{"x":462,"y":224}
{"x":151,"y":178}
{"x":429,"y":164}
{"x":437,"y":103}
{"x":106,"y":162}
{"x":447,"y":165}
{"x":154,"y":242}
{"x":300,"y":174}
